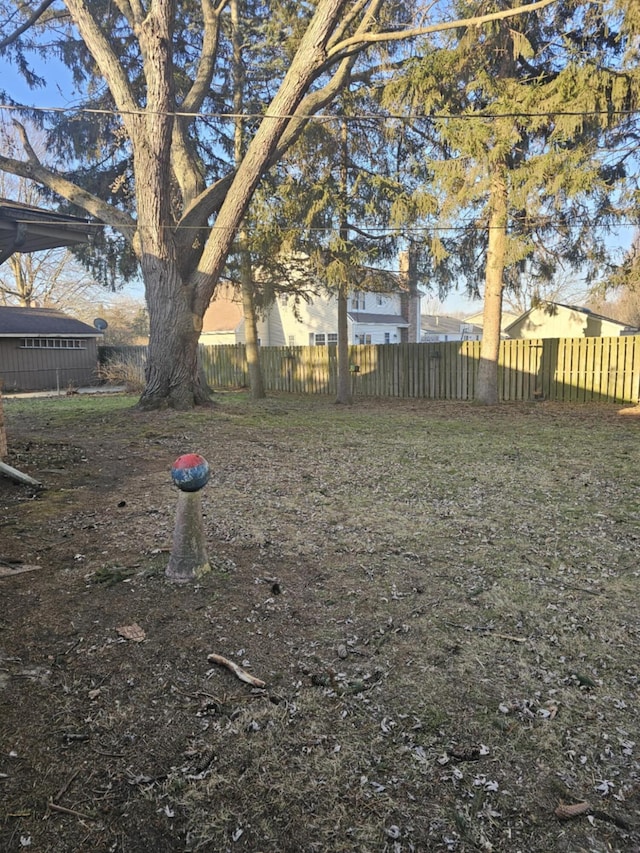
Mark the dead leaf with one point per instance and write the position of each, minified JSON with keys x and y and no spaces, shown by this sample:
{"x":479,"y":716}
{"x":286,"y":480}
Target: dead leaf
{"x":132,"y":632}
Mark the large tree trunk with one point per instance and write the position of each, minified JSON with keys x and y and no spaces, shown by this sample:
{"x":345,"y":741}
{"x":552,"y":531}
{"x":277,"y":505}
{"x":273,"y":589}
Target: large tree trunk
{"x":487,"y":376}
{"x":172,"y":372}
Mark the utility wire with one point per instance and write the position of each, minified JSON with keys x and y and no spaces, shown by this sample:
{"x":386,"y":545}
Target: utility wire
{"x":325,"y":118}
{"x":391,"y":231}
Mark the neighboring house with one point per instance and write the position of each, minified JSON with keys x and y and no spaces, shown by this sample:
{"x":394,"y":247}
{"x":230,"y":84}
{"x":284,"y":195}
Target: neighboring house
{"x":43,"y":349}
{"x":477,"y":319}
{"x":223,"y":321}
{"x":373,"y":318}
{"x":554,"y":320}
{"x":438,"y":328}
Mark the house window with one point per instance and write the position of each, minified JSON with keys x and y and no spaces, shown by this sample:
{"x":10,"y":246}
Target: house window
{"x":363,"y":339}
{"x":320,"y":340}
{"x":332,"y":339}
{"x":292,"y":340}
{"x":387,"y":338}
{"x":357,"y":301}
{"x":53,"y":343}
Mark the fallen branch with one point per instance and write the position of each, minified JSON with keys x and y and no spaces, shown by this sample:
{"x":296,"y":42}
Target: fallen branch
{"x":242,"y":674}
{"x":18,"y":476}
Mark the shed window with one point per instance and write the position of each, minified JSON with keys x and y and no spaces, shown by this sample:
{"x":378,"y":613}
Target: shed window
{"x":53,"y":343}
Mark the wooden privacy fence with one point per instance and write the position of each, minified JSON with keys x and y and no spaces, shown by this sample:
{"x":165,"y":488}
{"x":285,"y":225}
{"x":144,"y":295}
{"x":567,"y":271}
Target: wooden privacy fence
{"x":567,"y":369}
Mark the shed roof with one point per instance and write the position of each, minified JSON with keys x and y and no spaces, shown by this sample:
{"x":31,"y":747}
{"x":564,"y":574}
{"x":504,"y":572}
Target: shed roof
{"x":24,"y":228}
{"x":36,"y":322}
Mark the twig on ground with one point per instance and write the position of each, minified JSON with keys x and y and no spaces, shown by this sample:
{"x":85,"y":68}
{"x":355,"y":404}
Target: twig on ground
{"x":66,"y":786}
{"x":64,"y":810}
{"x":240,"y":673}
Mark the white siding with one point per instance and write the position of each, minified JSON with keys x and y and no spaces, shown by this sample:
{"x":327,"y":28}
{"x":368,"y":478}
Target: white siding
{"x":296,"y":324}
{"x":318,"y":316}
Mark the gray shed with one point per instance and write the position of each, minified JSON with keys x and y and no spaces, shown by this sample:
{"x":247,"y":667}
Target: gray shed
{"x":42,"y":349}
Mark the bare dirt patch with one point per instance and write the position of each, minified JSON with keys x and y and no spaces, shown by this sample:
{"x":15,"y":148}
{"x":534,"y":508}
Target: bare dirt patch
{"x":441,"y":599}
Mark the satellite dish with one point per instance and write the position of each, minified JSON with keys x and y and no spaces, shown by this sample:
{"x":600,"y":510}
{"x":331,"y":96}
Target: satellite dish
{"x":100,"y":324}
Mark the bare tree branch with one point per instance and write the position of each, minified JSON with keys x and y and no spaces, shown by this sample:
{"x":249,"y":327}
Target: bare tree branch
{"x":31,"y":20}
{"x":107,"y":61}
{"x":359,"y":41}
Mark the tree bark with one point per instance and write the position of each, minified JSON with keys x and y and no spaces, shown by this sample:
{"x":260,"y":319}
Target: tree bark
{"x":487,"y":376}
{"x":344,"y":395}
{"x":173,"y":377}
{"x":252,"y":348}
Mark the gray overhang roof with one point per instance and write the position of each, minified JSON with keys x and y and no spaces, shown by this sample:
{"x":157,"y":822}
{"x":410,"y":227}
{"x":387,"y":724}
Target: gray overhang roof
{"x":24,"y":228}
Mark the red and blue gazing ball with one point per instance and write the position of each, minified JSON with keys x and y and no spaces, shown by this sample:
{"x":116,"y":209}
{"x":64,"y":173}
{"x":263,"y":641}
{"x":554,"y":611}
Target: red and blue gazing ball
{"x":190,"y":472}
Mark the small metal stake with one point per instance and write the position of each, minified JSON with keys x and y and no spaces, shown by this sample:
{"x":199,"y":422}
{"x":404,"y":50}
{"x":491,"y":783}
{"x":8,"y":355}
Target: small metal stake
{"x":189,"y":559}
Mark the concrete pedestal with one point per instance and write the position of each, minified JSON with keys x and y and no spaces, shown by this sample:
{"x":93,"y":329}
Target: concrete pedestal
{"x":188,"y":559}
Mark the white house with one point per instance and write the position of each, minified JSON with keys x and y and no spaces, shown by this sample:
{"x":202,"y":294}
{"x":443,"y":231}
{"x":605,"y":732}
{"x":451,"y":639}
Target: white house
{"x":439,"y":328}
{"x":373,"y":318}
{"x":477,"y":319}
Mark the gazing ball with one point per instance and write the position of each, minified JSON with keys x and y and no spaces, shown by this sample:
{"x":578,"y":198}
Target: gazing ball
{"x":190,"y":472}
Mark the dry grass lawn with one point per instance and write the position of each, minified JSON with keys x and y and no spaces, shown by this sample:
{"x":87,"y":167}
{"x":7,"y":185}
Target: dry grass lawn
{"x":442,"y":599}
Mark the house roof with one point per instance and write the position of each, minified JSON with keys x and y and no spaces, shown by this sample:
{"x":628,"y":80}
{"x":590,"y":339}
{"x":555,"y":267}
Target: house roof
{"x":576,"y":308}
{"x":224,"y":313}
{"x":441,"y":324}
{"x":377,"y":319}
{"x":36,"y":322}
{"x":24,"y":228}
{"x":505,"y":318}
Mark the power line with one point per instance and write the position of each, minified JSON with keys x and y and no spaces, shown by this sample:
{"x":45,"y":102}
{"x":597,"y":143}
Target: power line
{"x":324,"y":118}
{"x":392,"y":231}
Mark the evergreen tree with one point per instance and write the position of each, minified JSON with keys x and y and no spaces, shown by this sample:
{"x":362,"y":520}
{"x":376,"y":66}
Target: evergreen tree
{"x":518,"y":113}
